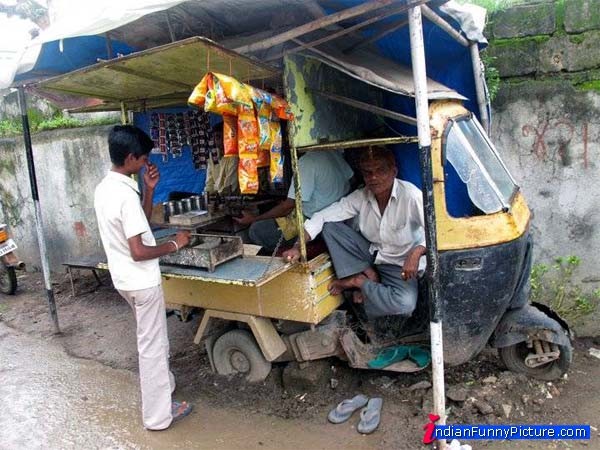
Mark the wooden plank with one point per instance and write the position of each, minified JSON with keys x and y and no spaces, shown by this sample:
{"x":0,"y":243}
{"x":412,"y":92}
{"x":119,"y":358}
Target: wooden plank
{"x":345,"y":31}
{"x":432,"y":16}
{"x":367,"y":107}
{"x":360,"y":143}
{"x":383,"y":32}
{"x":314,"y":25}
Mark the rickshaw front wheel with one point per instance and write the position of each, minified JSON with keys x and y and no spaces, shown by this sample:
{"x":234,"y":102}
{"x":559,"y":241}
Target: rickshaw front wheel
{"x":518,"y":357}
{"x":236,"y":352}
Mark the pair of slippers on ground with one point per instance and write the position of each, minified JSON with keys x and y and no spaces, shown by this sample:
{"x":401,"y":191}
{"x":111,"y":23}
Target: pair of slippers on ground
{"x":370,"y":415}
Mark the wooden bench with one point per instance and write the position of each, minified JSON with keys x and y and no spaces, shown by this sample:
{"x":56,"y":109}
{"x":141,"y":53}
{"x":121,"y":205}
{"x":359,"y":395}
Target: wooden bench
{"x":87,"y":263}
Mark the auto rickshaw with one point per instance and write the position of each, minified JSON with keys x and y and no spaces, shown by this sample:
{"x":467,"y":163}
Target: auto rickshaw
{"x":259,"y":310}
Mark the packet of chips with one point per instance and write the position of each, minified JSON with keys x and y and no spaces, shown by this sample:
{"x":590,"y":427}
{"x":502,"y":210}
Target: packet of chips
{"x":276,"y":156}
{"x":281,"y":108}
{"x":198,"y":95}
{"x":247,"y":128}
{"x":264,"y":158}
{"x":248,"y":176}
{"x":220,"y":94}
{"x":230,"y":136}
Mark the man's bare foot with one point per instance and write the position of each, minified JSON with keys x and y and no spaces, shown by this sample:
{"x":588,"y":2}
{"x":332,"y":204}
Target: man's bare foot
{"x":336,"y":287}
{"x":371,"y":274}
{"x":358,"y":297}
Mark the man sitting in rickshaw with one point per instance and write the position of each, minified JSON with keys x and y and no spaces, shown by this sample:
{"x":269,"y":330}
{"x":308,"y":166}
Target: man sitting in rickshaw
{"x":380,"y":262}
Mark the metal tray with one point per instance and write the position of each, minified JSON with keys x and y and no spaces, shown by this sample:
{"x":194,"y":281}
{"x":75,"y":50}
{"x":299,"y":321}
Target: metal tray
{"x":206,"y":251}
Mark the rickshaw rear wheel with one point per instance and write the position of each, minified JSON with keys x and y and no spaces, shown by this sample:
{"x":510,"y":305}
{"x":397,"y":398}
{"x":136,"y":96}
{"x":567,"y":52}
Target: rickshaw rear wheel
{"x":236,"y":352}
{"x":8,"y":280}
{"x":514,"y":356}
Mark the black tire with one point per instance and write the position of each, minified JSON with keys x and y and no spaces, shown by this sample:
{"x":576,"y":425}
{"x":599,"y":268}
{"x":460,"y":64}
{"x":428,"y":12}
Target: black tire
{"x":514,"y":358}
{"x":8,"y":280}
{"x":236,"y":352}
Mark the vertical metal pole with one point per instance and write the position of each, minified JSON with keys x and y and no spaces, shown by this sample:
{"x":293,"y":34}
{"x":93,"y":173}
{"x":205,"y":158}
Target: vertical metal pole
{"x":299,"y":212}
{"x":39,"y":226}
{"x":123,"y":114}
{"x":435,"y":306}
{"x":479,"y":86}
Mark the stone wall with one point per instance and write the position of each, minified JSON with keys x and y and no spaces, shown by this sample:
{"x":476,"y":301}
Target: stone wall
{"x":546,"y":124}
{"x":69,"y":164}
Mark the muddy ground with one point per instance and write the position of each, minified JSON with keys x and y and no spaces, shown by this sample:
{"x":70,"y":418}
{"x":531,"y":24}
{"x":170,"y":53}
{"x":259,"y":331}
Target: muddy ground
{"x":97,"y":324}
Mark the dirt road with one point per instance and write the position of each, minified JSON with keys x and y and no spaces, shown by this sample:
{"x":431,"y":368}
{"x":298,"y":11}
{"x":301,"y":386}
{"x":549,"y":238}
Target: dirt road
{"x":86,"y":379}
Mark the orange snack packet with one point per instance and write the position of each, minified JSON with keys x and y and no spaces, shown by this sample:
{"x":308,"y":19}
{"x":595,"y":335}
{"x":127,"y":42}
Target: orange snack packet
{"x":248,"y":176}
{"x":230,"y":136}
{"x":247,"y":127}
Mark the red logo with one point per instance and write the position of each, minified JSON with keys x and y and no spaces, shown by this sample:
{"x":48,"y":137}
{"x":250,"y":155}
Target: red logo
{"x":429,"y":428}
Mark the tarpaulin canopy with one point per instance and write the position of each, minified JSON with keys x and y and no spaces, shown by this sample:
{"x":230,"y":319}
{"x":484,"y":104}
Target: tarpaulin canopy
{"x":139,"y":24}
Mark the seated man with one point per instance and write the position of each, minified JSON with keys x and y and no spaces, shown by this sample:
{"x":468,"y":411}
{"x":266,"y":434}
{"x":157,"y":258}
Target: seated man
{"x":380,"y":263}
{"x":325,"y":178}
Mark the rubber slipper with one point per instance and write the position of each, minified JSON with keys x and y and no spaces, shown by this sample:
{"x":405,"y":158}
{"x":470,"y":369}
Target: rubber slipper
{"x":344,"y":410}
{"x":370,"y":416}
{"x":180,"y":410}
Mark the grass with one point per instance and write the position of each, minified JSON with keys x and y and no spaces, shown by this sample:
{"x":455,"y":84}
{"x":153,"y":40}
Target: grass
{"x":553,"y":285}
{"x":494,"y":5}
{"x":14,"y":127}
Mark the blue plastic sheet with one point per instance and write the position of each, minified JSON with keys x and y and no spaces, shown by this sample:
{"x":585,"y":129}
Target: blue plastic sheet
{"x":176,"y":174}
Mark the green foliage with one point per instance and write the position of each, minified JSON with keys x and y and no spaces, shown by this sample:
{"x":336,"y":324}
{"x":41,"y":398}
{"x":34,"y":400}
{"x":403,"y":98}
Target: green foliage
{"x":37,"y":122}
{"x":494,"y":5}
{"x":492,"y":75}
{"x":553,"y":285}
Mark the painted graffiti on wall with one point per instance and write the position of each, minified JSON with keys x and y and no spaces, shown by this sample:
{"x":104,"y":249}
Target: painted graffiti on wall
{"x":552,"y":140}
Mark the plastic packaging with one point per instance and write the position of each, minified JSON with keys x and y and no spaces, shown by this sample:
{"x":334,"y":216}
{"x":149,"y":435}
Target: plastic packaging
{"x":230,"y":136}
{"x":248,"y":176}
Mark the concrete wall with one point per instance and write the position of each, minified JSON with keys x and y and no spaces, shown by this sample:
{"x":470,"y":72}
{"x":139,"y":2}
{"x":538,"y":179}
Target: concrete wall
{"x":69,"y":164}
{"x":546,"y":124}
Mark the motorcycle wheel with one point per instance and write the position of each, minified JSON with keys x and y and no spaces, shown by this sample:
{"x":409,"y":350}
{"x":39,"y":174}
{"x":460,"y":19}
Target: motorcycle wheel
{"x":8,"y":280}
{"x":514,"y":356}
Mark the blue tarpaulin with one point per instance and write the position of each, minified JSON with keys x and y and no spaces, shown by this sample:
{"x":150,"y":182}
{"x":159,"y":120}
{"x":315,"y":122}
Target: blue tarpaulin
{"x":74,"y":53}
{"x":447,"y":62}
{"x":176,"y":174}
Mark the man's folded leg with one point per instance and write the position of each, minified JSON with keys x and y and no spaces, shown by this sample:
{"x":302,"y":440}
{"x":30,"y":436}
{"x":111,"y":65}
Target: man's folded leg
{"x":392,"y":296}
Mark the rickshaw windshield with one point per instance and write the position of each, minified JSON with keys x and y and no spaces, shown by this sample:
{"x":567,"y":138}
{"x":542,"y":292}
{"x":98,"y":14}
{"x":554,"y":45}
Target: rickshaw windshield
{"x":478,"y":165}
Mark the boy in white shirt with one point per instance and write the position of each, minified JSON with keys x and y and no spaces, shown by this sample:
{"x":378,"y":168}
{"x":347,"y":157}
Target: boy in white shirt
{"x":132,"y":256}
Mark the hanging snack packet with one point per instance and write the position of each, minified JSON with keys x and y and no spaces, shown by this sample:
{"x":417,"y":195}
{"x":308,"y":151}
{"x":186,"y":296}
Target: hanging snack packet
{"x":230,"y":136}
{"x":248,"y":176}
{"x":264,"y":158}
{"x":276,"y":156}
{"x":281,"y":108}
{"x":247,"y":127}
{"x":198,"y":95}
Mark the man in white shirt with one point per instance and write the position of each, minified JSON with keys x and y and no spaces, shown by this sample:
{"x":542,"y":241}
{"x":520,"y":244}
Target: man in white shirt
{"x":325,"y":178}
{"x":132,"y":256}
{"x":380,"y":263}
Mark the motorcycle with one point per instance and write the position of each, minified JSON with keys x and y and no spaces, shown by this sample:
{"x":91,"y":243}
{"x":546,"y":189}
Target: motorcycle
{"x":9,"y":262}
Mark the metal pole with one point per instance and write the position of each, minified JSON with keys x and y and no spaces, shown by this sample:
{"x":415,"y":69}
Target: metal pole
{"x":123,"y":114}
{"x":435,"y":306}
{"x":299,"y":212}
{"x":480,"y":86}
{"x":39,"y":226}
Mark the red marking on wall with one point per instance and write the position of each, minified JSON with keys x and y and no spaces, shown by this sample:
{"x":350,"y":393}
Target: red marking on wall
{"x":80,"y":229}
{"x":539,"y":144}
{"x":564,"y":131}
